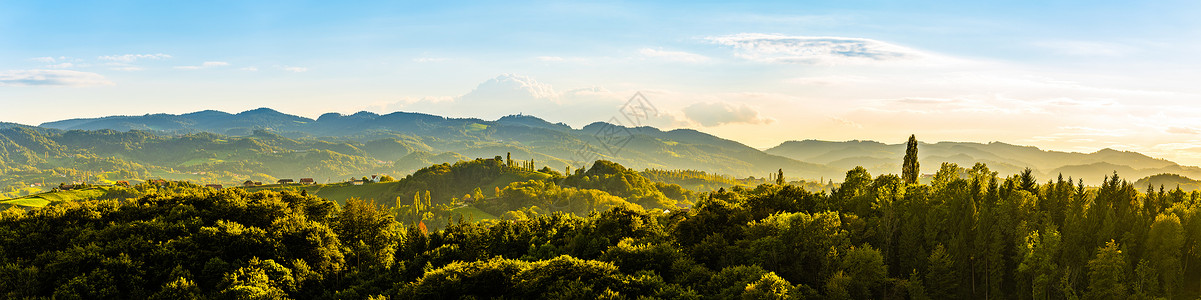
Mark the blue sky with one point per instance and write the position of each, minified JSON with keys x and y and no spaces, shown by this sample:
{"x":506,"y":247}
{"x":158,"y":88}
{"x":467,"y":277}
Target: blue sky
{"x":1064,"y":75}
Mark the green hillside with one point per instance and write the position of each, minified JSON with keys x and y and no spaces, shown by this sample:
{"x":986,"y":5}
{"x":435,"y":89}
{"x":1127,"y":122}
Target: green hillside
{"x":1005,"y":158}
{"x":264,"y":145}
{"x":1169,"y":182}
{"x":872,"y":237}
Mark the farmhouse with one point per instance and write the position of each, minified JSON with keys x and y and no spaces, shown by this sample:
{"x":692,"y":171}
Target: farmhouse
{"x":307,"y":181}
{"x":285,"y":181}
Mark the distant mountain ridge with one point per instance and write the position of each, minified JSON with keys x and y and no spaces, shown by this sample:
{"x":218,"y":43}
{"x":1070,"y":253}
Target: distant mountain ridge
{"x":1002,"y":157}
{"x":559,"y":145}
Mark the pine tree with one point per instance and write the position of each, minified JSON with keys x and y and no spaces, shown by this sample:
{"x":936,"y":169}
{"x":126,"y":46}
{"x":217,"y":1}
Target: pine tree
{"x":780,"y":178}
{"x":909,"y":170}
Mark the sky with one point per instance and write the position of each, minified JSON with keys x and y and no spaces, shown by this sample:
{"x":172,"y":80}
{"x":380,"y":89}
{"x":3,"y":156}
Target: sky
{"x":1061,"y":75}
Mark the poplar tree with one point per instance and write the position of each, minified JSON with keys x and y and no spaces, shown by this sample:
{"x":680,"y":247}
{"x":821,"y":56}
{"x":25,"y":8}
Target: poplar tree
{"x":910,"y":167}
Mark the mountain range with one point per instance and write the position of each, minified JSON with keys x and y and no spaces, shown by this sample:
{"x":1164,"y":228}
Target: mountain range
{"x":264,"y":144}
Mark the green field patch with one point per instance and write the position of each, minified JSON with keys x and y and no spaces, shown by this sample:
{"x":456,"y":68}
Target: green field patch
{"x":29,"y":202}
{"x":72,"y":195}
{"x":473,"y":127}
{"x":471,"y":214}
{"x":43,"y":199}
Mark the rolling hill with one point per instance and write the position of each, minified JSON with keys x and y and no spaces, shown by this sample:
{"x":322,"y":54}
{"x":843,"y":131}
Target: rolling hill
{"x":1001,"y":157}
{"x":265,"y":145}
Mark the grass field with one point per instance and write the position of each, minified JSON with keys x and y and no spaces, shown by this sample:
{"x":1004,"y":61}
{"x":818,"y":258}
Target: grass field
{"x":471,"y":214}
{"x":29,"y":202}
{"x":43,"y":199}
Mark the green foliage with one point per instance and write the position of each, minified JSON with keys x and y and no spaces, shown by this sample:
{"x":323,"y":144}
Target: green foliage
{"x":910,"y":167}
{"x":608,"y":232}
{"x":1107,"y":274}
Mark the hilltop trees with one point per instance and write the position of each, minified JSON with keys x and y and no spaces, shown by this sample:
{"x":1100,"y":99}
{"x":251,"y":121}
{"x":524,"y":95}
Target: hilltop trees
{"x":607,"y":232}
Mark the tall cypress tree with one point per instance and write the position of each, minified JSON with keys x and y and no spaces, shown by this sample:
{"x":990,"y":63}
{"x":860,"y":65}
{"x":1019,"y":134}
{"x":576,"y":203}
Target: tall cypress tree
{"x":910,"y":167}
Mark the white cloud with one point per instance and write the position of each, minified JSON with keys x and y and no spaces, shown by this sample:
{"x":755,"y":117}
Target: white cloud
{"x":830,"y":80}
{"x":509,"y":94}
{"x":205,"y":65}
{"x":51,"y":78}
{"x":295,"y":69}
{"x":549,"y":58}
{"x":61,"y":65}
{"x":133,"y":57}
{"x":674,"y":56}
{"x":1086,"y":48}
{"x":711,"y":114}
{"x":127,"y":68}
{"x":430,"y":59}
{"x":846,"y":123}
{"x":46,"y":59}
{"x":511,"y":85}
{"x":1183,"y":130}
{"x":774,"y":48}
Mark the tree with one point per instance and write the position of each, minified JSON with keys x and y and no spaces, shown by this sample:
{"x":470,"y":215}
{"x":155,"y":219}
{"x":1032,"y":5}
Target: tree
{"x":1164,"y":245}
{"x":780,"y":178}
{"x":1107,"y":273}
{"x":942,"y":280}
{"x":371,"y":233}
{"x":909,"y":170}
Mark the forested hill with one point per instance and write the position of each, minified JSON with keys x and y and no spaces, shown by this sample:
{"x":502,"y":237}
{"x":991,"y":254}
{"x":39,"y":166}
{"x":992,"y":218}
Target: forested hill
{"x":556,"y":145}
{"x":1005,"y":158}
{"x":968,"y":234}
{"x":264,"y":144}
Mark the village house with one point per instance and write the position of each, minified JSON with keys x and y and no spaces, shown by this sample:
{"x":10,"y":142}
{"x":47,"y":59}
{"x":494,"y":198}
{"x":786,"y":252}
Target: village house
{"x":248,"y":183}
{"x":214,"y":186}
{"x":122,"y":183}
{"x":307,"y":181}
{"x":356,"y":182}
{"x":285,"y":181}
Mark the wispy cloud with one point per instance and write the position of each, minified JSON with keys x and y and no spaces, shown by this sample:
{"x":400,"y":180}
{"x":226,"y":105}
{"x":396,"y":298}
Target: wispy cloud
{"x":1086,"y":48}
{"x":430,"y":59}
{"x":134,"y":57}
{"x":205,"y":65}
{"x":296,"y":69}
{"x":61,"y":65}
{"x":1183,"y":130}
{"x":674,"y":56}
{"x":51,"y":78}
{"x":550,"y":58}
{"x":711,"y":114}
{"x":847,"y":123}
{"x":250,"y":69}
{"x":45,"y":59}
{"x":830,"y":80}
{"x":774,"y":48}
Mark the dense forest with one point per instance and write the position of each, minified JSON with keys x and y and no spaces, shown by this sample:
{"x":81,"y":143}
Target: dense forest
{"x":967,"y":233}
